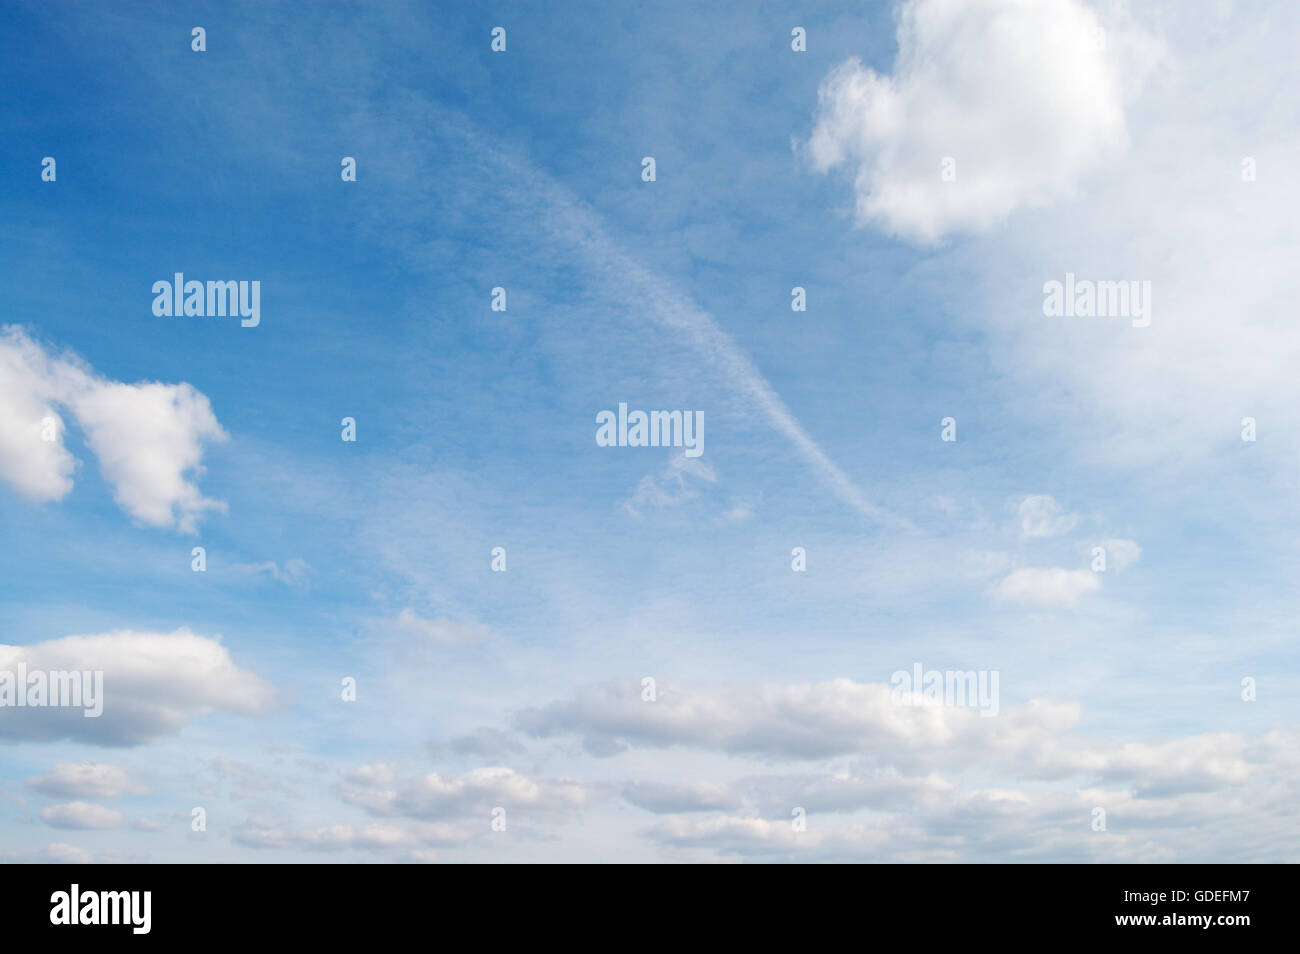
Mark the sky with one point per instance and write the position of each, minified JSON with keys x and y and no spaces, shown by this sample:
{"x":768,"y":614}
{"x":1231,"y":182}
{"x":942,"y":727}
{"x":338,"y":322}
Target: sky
{"x":434,"y":618}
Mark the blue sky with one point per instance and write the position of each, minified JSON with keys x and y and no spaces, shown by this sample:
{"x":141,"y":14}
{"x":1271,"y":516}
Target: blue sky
{"x":371,"y":560}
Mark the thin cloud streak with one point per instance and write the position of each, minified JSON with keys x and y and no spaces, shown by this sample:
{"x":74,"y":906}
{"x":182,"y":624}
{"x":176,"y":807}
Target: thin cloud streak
{"x":576,"y":223}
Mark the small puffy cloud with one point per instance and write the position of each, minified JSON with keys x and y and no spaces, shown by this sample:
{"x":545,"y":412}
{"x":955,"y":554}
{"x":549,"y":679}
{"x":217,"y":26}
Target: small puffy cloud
{"x":81,"y":815}
{"x":1025,"y":97}
{"x":1041,"y":516}
{"x":148,"y":437}
{"x":1046,"y":586}
{"x":154,"y":684}
{"x":85,"y":780}
{"x":439,"y":632}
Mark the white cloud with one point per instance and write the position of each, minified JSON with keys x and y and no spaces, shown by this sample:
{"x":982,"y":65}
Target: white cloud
{"x":1168,"y":398}
{"x":294,"y":572}
{"x":371,"y":837}
{"x":728,"y":834}
{"x":38,"y":469}
{"x":85,"y":780}
{"x":1038,"y":779}
{"x":60,"y":852}
{"x":1121,"y":554}
{"x":439,"y":632}
{"x":1018,"y":92}
{"x":796,"y":721}
{"x":819,"y":721}
{"x":677,"y":483}
{"x":1046,"y":586}
{"x":148,"y":437}
{"x":154,"y":684}
{"x":81,"y":815}
{"x":1040,"y":516}
{"x":473,"y":793}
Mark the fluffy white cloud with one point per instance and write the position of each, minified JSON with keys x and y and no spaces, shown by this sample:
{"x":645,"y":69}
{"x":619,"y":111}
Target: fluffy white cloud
{"x":797,"y":721}
{"x":37,"y":468}
{"x":85,"y":780}
{"x":1046,"y":586}
{"x":1023,"y":785}
{"x":154,"y":684}
{"x":81,"y":815}
{"x":148,"y":437}
{"x":1204,"y":195}
{"x":1026,"y":96}
{"x":1009,"y":824}
{"x":1041,"y":516}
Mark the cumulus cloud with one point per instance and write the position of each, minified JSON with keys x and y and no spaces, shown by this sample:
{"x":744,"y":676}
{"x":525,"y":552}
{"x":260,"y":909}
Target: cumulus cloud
{"x":1004,"y":824}
{"x":148,"y":437}
{"x":819,"y":721}
{"x":1025,"y":96}
{"x":85,"y":780}
{"x":1019,"y":787}
{"x":796,"y":721}
{"x":38,"y":468}
{"x":154,"y":684}
{"x":1046,"y":586}
{"x":1041,"y":516}
{"x":81,"y":815}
